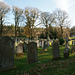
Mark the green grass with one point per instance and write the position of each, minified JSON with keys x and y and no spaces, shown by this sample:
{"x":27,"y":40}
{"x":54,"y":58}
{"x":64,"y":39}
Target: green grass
{"x":45,"y":64}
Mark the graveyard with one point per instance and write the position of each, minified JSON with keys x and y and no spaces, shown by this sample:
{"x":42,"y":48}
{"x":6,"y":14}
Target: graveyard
{"x":37,"y":37}
{"x":38,"y":63}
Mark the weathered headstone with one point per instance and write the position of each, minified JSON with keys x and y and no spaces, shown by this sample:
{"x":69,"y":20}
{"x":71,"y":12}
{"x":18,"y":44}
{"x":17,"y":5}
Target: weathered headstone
{"x":32,"y":52}
{"x":45,"y":45}
{"x":48,"y":41}
{"x":19,"y":49}
{"x":37,"y":41}
{"x":55,"y":50}
{"x":6,"y":53}
{"x":66,"y":51}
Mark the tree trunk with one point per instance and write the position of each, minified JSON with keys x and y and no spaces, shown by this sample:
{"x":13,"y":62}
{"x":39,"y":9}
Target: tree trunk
{"x":1,"y":27}
{"x":61,"y":32}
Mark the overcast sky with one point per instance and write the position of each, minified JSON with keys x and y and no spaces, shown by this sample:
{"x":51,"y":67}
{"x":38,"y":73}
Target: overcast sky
{"x":46,"y":5}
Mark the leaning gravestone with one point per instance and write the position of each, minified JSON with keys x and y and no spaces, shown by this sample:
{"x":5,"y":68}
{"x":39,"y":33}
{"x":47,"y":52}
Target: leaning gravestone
{"x":66,"y":51}
{"x":19,"y":50}
{"x":32,"y":52}
{"x":6,"y":53}
{"x":55,"y":50}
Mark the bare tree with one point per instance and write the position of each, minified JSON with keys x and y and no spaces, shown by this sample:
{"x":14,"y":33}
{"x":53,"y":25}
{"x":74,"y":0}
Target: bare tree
{"x":18,"y":17}
{"x":4,"y":8}
{"x":47,"y":19}
{"x":61,"y":19}
{"x":31,"y":15}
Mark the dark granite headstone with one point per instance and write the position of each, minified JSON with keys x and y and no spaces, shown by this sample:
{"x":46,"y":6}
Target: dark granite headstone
{"x":45,"y":45}
{"x":6,"y":53}
{"x":32,"y":52}
{"x":55,"y":50}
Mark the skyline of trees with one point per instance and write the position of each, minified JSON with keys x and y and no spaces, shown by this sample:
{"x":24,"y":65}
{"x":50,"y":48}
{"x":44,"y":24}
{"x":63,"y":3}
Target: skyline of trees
{"x":29,"y":16}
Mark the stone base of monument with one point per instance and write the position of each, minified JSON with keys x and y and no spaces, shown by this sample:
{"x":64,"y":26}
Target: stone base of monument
{"x":19,"y":54}
{"x":66,"y":53}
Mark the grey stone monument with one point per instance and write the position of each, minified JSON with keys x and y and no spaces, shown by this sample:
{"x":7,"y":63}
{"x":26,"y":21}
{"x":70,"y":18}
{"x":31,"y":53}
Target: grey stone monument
{"x":66,"y":51}
{"x":55,"y":50}
{"x":48,"y":41}
{"x":6,"y":53}
{"x":19,"y":49}
{"x":32,"y":52}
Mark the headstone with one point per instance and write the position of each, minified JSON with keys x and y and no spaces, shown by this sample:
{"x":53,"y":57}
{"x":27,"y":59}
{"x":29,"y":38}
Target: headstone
{"x":73,"y":47}
{"x":25,"y":47}
{"x":19,"y":50}
{"x":66,"y":51}
{"x":6,"y":53}
{"x":45,"y":45}
{"x":37,"y":41}
{"x":48,"y":41}
{"x":55,"y":50}
{"x":41,"y":42}
{"x":32,"y":52}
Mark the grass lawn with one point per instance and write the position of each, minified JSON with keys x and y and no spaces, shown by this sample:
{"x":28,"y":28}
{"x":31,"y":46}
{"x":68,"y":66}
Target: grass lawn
{"x":45,"y":65}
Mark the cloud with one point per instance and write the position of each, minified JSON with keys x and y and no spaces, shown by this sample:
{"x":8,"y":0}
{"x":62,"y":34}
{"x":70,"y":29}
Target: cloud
{"x":1,"y":0}
{"x":64,"y":4}
{"x":68,"y":6}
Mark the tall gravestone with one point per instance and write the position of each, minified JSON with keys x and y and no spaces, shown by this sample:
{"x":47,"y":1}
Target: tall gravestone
{"x":32,"y":52}
{"x":55,"y":50}
{"x":66,"y":51}
{"x":19,"y":49}
{"x":6,"y":53}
